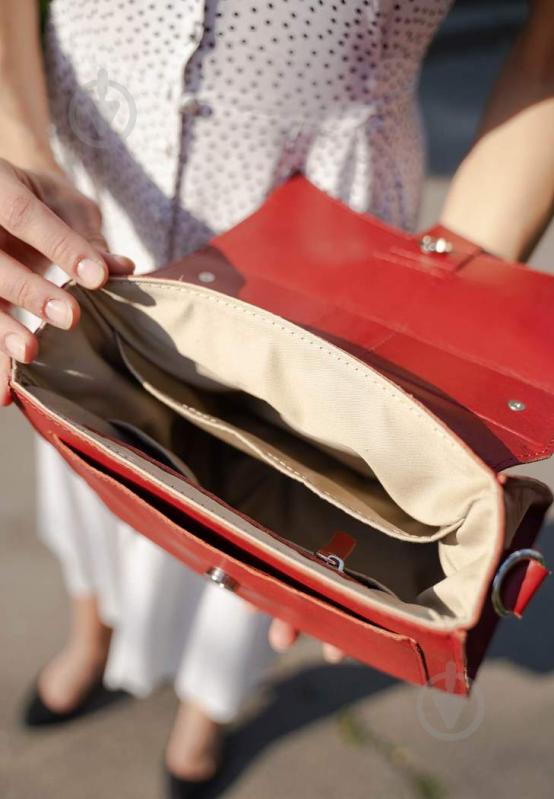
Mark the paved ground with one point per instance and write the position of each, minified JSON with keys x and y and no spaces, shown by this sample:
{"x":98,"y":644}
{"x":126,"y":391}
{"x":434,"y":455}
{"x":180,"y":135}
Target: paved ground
{"x":318,"y":731}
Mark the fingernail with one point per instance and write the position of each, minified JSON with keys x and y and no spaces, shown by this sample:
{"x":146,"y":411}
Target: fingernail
{"x":90,"y":273}
{"x":15,"y":346}
{"x":332,"y":654}
{"x":59,"y":313}
{"x":281,"y":643}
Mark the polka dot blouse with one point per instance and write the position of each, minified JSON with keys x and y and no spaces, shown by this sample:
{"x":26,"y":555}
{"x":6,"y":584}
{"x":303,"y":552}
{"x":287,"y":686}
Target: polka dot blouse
{"x":181,"y":116}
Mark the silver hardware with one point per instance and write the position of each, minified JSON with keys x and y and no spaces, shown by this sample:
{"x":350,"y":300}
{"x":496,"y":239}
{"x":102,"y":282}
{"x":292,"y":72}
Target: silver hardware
{"x":206,"y":277}
{"x":222,"y":579}
{"x":189,"y":104}
{"x":332,"y":560}
{"x":516,"y":405}
{"x":438,"y":245}
{"x":197,"y":32}
{"x":503,"y":569}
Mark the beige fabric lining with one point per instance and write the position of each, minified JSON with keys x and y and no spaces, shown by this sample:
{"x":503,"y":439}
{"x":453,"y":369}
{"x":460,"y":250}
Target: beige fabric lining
{"x":329,"y":479}
{"x":198,"y":354}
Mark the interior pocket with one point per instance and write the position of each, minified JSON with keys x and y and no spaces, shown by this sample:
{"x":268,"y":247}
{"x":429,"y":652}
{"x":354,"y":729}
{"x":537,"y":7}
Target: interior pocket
{"x":288,"y":509}
{"x":131,"y":434}
{"x":235,"y":418}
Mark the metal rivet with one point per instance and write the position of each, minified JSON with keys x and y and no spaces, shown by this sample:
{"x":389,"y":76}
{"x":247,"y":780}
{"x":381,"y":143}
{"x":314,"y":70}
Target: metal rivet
{"x":222,"y":579}
{"x":206,"y":277}
{"x":437,"y":245}
{"x":516,"y":405}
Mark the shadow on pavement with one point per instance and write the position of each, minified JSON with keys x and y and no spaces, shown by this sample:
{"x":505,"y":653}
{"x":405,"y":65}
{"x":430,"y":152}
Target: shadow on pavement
{"x":297,"y":702}
{"x":321,"y":691}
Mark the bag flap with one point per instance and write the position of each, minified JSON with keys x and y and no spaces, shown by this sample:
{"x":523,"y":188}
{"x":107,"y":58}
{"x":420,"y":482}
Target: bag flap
{"x":469,"y":335}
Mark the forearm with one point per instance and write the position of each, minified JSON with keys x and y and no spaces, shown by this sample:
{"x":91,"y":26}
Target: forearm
{"x":24,"y":118}
{"x":502,"y":196}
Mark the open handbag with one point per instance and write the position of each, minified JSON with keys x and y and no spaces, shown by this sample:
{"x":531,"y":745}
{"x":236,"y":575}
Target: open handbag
{"x":315,"y":411}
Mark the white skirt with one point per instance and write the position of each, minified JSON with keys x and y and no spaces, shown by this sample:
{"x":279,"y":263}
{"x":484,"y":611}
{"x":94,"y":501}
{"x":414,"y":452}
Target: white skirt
{"x":168,"y":622}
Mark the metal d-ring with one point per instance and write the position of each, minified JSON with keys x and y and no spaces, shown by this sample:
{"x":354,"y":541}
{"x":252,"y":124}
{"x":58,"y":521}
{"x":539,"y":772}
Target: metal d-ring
{"x":503,"y":569}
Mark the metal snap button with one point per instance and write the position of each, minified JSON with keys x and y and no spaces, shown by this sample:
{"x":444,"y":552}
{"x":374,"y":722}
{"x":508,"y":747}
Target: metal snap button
{"x":430,"y":244}
{"x":516,"y":405}
{"x":222,"y":579}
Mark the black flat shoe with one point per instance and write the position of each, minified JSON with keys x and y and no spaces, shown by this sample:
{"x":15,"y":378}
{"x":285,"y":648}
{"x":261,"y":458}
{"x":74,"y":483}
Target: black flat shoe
{"x":178,"y":788}
{"x":38,"y":714}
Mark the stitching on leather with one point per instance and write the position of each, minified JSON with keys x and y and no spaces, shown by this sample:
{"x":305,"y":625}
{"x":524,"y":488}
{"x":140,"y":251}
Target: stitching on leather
{"x":364,"y":373}
{"x":406,"y":331}
{"x":220,"y":424}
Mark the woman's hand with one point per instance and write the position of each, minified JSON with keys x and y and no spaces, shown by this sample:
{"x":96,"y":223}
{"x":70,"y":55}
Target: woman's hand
{"x":283,"y":635}
{"x":45,"y":220}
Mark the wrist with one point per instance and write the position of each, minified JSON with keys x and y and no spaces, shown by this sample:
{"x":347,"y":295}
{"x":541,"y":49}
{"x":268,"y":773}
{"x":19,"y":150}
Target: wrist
{"x":25,"y":147}
{"x":28,"y":154}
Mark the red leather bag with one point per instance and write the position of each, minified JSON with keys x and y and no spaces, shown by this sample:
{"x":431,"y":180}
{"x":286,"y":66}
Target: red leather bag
{"x":315,"y":411}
